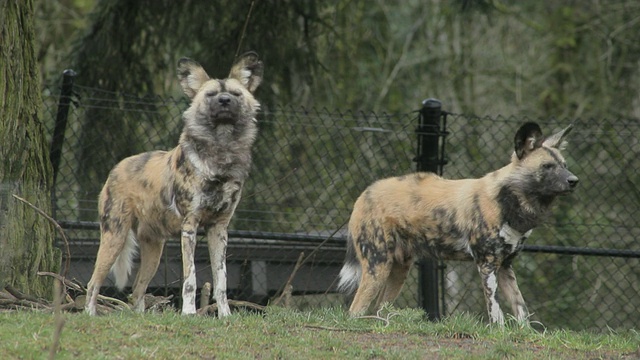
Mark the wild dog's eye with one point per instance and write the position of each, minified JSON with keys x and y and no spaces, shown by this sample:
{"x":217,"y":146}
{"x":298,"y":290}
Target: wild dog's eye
{"x":548,"y":166}
{"x":211,"y":93}
{"x":236,"y":93}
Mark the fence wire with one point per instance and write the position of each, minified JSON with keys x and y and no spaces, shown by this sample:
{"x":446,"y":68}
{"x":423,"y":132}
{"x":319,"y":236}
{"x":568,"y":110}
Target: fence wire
{"x":309,"y":167}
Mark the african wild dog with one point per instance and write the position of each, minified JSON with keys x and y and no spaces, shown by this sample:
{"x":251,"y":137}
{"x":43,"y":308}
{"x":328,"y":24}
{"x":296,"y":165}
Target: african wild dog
{"x":158,"y":194}
{"x":399,"y":219}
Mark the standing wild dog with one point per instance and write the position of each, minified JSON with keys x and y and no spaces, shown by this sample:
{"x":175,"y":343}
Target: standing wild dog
{"x":158,"y":194}
{"x":397,"y":220}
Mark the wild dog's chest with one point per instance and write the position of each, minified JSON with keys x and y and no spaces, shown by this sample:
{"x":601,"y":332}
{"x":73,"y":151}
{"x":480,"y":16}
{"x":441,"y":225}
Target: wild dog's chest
{"x":500,"y":244}
{"x":207,"y":182}
{"x":207,"y":196}
{"x":219,"y":194}
{"x":511,"y":239}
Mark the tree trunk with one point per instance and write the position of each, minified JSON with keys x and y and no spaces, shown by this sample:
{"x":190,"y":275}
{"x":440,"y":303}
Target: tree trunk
{"x":26,"y":238}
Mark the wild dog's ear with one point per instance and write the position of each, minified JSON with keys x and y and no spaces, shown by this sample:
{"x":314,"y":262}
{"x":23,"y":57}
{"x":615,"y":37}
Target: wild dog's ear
{"x":528,"y":138}
{"x":191,"y":76}
{"x":248,"y":70}
{"x":557,"y":140}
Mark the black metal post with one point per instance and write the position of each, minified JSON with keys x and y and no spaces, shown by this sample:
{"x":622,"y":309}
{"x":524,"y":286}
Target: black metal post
{"x":430,"y":158}
{"x":57,"y":140}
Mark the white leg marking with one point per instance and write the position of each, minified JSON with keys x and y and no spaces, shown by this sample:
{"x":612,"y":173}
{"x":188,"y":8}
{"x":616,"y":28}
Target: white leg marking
{"x":217,"y":238}
{"x":91,"y":300}
{"x":522,"y":313}
{"x":220,"y":291}
{"x":139,"y":306}
{"x":495,"y":313}
{"x":189,"y":272}
{"x":189,"y":292}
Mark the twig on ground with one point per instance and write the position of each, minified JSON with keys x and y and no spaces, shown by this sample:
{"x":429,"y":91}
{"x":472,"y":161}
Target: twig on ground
{"x":386,"y":321}
{"x":377,"y":316}
{"x":287,"y":287}
{"x":329,"y":328}
{"x":301,"y":261}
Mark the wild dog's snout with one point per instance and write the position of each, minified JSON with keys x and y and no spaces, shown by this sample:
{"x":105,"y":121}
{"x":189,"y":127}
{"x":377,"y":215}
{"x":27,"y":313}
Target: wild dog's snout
{"x":567,"y":181}
{"x":224,"y":106}
{"x":224,"y":99}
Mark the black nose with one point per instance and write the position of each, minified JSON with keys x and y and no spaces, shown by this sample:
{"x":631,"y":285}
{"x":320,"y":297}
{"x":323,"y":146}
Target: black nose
{"x":224,"y":99}
{"x":573,"y":181}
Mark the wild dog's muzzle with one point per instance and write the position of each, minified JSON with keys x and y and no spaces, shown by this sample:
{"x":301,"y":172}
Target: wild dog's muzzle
{"x":571,"y":181}
{"x":224,"y":107}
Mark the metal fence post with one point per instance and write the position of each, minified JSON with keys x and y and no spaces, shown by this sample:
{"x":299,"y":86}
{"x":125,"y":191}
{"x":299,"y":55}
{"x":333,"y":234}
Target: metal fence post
{"x":430,"y":157}
{"x":57,"y":140}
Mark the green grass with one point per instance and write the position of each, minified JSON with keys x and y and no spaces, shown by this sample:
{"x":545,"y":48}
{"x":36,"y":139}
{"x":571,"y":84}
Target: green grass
{"x":287,"y":334}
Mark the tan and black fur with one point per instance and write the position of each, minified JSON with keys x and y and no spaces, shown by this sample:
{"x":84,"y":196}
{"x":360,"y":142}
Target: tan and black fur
{"x":398,"y":220}
{"x":159,"y":194}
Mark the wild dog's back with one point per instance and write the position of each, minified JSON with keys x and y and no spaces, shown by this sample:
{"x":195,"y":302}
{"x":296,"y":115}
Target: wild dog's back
{"x":421,"y":214}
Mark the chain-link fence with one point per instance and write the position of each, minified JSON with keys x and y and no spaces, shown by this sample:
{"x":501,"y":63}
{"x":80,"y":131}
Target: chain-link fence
{"x":578,"y":271}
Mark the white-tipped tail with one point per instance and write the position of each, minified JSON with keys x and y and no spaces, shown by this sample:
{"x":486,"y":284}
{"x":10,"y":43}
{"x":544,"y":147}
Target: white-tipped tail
{"x":349,"y":277}
{"x":121,"y":269}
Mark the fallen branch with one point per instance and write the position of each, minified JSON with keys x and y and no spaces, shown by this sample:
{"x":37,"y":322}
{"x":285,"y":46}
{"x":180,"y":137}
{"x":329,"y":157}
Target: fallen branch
{"x":20,"y":295}
{"x":25,"y":304}
{"x":329,"y":328}
{"x":109,"y":302}
{"x":213,"y":308}
{"x":67,"y":283}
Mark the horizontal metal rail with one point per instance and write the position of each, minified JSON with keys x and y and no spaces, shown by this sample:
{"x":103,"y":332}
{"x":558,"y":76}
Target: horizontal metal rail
{"x":236,"y":234}
{"x":340,"y":240}
{"x":571,"y":250}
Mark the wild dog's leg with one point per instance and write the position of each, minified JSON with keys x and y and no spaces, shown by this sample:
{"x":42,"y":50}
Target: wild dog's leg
{"x":374,"y":277}
{"x":188,"y":242}
{"x":150,"y":254}
{"x":217,"y":239}
{"x":395,"y":281}
{"x":112,"y":240}
{"x":489,"y":274}
{"x":509,"y":287}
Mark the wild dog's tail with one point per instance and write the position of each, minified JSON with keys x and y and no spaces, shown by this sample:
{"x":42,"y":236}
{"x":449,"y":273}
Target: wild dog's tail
{"x":351,"y":270}
{"x":121,"y":269}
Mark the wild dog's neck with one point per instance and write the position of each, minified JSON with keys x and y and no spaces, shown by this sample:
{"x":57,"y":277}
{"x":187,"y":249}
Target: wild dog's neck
{"x":521,"y":207}
{"x":521,"y":210}
{"x":512,"y":212}
{"x":243,"y":132}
